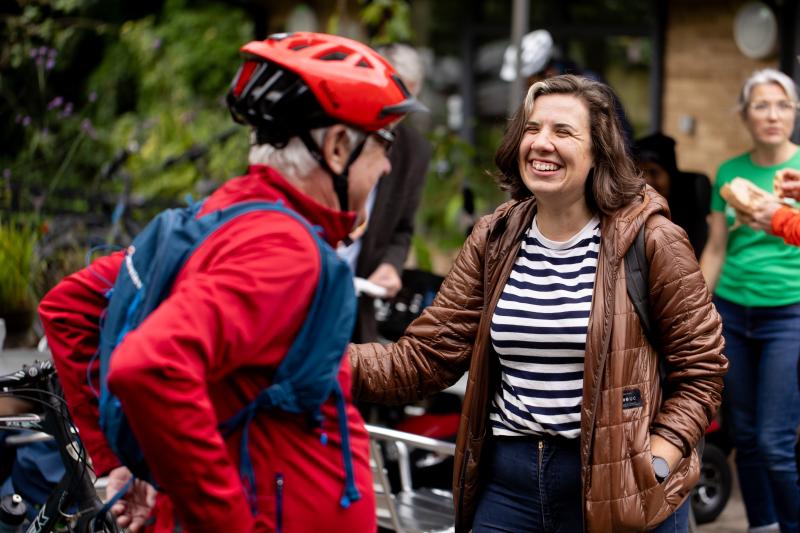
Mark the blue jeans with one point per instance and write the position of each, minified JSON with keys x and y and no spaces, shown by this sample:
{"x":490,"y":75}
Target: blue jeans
{"x":763,"y":405}
{"x":537,"y":489}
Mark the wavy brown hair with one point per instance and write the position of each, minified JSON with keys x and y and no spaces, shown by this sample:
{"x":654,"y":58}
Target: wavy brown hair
{"x":613,"y":181}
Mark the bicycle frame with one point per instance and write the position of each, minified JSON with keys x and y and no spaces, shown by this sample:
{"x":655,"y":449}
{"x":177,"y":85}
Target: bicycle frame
{"x":76,"y":487}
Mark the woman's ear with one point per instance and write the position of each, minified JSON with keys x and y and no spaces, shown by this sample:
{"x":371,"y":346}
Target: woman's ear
{"x":336,"y":147}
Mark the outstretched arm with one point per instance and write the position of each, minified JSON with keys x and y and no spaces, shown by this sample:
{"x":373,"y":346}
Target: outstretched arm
{"x":436,"y":348}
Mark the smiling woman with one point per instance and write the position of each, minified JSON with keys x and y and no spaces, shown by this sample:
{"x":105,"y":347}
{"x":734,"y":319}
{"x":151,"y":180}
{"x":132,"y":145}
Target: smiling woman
{"x":564,"y":390}
{"x":757,"y":291}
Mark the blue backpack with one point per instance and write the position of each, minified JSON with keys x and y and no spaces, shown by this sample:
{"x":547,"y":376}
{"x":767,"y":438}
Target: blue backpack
{"x":304,"y":380}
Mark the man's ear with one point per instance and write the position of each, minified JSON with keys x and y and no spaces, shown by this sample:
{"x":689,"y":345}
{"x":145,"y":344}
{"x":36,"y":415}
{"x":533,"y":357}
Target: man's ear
{"x":336,"y":147}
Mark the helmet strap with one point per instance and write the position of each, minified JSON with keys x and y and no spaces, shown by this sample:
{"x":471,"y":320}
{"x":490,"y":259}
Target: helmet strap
{"x":340,"y":180}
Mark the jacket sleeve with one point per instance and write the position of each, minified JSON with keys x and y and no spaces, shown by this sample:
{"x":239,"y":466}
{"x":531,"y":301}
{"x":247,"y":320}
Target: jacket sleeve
{"x":690,"y":334}
{"x":414,"y":182}
{"x":233,"y":313}
{"x":70,"y":315}
{"x":435,"y":350}
{"x":786,"y":224}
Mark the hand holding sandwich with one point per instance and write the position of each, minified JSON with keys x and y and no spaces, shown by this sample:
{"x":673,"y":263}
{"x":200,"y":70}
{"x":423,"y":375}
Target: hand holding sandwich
{"x":763,"y":211}
{"x":787,"y":183}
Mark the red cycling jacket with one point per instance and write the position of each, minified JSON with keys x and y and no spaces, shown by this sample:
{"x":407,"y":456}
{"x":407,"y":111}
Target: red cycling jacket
{"x":207,"y":350}
{"x":786,"y":224}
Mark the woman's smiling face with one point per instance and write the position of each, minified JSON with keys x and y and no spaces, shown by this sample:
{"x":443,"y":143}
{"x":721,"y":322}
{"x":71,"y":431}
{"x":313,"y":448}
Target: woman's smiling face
{"x":555,"y":153}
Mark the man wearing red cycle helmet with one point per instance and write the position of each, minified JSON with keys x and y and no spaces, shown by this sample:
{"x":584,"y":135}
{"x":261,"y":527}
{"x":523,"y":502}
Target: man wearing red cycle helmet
{"x":320,"y":108}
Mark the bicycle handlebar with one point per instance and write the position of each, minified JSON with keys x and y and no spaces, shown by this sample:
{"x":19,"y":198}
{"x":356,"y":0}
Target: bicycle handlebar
{"x":27,"y":375}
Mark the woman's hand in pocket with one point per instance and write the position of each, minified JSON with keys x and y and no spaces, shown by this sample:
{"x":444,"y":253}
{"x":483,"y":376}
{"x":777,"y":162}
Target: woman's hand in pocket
{"x":661,"y":447}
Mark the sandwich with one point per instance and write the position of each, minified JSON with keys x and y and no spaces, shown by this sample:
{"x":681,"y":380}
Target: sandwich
{"x":745,"y":196}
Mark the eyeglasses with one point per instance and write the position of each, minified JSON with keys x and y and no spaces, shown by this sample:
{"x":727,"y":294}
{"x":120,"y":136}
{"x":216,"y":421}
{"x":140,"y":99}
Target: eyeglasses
{"x":385,"y":138}
{"x":783,"y":107}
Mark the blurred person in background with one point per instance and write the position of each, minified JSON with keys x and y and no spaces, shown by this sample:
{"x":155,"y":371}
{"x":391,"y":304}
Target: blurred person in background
{"x":688,"y":193}
{"x":565,"y":426}
{"x":378,"y":250}
{"x":757,"y":291}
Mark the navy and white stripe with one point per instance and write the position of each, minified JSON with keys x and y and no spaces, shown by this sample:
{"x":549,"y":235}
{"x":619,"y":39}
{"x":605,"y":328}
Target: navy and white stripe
{"x":539,"y":332}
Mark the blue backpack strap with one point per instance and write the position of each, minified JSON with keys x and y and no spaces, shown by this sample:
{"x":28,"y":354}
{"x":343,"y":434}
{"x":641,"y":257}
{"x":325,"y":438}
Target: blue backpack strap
{"x":307,"y":376}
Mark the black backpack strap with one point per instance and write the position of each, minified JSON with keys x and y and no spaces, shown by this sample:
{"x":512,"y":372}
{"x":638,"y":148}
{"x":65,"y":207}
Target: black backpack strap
{"x":637,"y":275}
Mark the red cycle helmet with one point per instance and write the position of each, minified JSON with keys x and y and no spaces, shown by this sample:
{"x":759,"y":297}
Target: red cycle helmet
{"x":292,"y":83}
{"x":348,"y":82}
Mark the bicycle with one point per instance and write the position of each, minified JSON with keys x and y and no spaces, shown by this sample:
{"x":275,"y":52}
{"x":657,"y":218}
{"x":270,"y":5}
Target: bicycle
{"x":38,"y":385}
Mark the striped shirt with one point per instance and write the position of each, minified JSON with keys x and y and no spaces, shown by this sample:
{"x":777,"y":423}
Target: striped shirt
{"x":539,"y":333}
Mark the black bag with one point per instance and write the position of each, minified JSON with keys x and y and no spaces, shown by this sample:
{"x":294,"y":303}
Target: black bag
{"x":393,"y":316}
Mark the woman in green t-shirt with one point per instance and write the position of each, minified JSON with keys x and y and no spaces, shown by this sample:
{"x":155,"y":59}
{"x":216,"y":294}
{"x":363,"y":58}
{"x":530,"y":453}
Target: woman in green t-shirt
{"x":756,"y":280}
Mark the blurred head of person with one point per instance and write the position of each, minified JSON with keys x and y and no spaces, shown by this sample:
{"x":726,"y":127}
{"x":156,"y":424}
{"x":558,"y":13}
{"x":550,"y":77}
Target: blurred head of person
{"x":407,"y":63}
{"x":655,"y":155}
{"x":566,"y":139}
{"x":768,"y":106}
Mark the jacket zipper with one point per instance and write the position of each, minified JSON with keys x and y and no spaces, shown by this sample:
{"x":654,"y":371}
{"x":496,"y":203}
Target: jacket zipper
{"x":599,"y":372}
{"x":278,"y":503}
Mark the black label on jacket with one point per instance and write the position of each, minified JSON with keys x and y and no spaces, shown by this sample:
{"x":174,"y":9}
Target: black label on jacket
{"x":631,"y":398}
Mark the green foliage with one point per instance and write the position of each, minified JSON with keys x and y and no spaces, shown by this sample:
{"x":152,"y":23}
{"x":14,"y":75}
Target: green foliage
{"x":173,"y":71}
{"x":50,"y":141}
{"x":18,"y":268}
{"x":388,"y":20}
{"x":76,"y":90}
{"x":441,"y":219}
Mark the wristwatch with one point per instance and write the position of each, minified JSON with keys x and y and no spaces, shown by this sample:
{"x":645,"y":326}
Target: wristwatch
{"x":661,"y":468}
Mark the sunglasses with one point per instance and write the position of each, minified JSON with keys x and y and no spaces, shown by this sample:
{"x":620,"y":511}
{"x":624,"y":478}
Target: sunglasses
{"x":385,"y":138}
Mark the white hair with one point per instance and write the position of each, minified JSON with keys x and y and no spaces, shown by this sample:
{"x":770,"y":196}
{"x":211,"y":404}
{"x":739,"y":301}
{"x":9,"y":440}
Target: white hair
{"x":407,"y":63}
{"x":767,"y":75}
{"x":294,"y":161}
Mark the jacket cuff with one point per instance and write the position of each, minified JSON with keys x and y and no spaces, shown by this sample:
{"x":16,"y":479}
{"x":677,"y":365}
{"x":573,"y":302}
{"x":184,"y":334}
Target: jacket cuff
{"x":673,"y":439}
{"x":779,"y":219}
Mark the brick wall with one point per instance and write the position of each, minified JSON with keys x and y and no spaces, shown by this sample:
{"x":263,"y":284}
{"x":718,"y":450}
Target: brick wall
{"x":703,"y":73}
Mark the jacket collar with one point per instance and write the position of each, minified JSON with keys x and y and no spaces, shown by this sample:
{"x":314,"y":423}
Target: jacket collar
{"x":265,"y":183}
{"x":618,"y":230}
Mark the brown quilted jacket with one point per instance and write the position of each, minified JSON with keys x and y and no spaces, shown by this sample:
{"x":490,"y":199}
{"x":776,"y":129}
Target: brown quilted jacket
{"x":620,"y":491}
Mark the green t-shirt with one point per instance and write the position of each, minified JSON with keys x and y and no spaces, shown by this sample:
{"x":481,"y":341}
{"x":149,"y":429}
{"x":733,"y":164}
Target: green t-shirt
{"x":760,"y":270}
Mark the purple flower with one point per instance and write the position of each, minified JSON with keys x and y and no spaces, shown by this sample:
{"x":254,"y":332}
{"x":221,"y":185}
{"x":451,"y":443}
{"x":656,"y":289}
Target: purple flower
{"x":92,"y":96}
{"x":67,"y":110}
{"x":33,"y":53}
{"x":18,"y":119}
{"x":42,"y":51}
{"x":86,"y":127}
{"x":55,"y":103}
{"x":6,"y":173}
{"x":26,"y":121}
{"x":50,"y":64}
{"x":157,"y":43}
{"x":52,"y":53}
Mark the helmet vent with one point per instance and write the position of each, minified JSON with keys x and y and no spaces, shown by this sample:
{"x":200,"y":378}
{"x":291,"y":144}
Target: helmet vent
{"x":299,"y":46}
{"x":334,"y":56}
{"x":363,"y":64}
